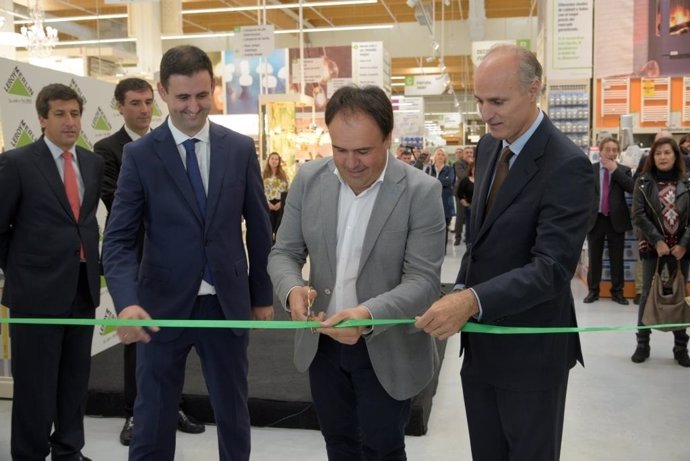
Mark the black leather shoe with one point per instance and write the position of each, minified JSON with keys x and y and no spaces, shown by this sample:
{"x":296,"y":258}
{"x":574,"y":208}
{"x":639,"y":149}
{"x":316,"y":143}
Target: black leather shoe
{"x":591,"y":297}
{"x":78,"y":457}
{"x":641,"y":353}
{"x":187,"y":424}
{"x":620,"y":299}
{"x":681,"y":356}
{"x":126,"y":433}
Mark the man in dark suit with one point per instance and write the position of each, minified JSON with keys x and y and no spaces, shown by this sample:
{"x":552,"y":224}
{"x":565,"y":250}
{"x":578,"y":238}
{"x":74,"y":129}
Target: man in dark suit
{"x":533,"y":195}
{"x":609,"y":221}
{"x":190,"y":182}
{"x":49,"y":254}
{"x":134,"y":99}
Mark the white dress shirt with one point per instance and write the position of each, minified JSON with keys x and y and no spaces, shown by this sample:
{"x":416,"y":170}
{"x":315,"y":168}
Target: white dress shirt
{"x":354,"y":212}
{"x":203,"y":155}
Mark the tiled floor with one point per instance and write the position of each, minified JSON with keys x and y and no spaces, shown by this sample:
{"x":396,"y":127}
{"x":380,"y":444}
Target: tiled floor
{"x":616,"y":410}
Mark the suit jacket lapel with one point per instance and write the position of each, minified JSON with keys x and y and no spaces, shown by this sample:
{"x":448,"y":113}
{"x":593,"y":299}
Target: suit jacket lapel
{"x":46,"y":165}
{"x":389,"y":194}
{"x":328,"y":213}
{"x":166,"y":150}
{"x":521,"y":173}
{"x":122,"y":139}
{"x":219,"y":162}
{"x":484,"y":181}
{"x":90,"y":179}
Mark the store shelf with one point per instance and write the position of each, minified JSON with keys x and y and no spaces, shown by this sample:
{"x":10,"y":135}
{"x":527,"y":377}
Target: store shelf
{"x":569,"y":109}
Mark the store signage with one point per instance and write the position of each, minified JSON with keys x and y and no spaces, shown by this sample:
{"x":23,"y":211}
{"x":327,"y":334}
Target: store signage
{"x":371,"y":64}
{"x":569,"y":54}
{"x":480,"y":48}
{"x":421,"y":85}
{"x":253,"y":41}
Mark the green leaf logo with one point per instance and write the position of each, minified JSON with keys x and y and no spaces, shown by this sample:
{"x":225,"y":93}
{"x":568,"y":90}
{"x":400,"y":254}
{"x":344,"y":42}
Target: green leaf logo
{"x":17,"y":84}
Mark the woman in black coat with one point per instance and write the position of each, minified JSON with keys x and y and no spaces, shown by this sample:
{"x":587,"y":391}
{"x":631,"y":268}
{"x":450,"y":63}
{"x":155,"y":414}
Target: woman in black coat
{"x":661,"y":212}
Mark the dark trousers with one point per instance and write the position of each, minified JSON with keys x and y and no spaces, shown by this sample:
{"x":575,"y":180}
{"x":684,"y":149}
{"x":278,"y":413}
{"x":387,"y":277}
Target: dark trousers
{"x":358,"y":419}
{"x":603,"y":231}
{"x":515,"y":425}
{"x":130,"y":391}
{"x":160,"y":378}
{"x":50,"y":369}
{"x":648,"y":268}
{"x":276,"y":217}
{"x":468,"y":217}
{"x":459,"y":221}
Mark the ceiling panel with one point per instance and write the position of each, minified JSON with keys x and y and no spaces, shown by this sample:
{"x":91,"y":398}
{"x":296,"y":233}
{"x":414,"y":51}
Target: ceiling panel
{"x":382,"y":12}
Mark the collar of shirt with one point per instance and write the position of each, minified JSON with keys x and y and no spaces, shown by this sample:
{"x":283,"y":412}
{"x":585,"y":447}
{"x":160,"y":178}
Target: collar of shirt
{"x":374,"y":184}
{"x":56,"y":151}
{"x":519,"y":143}
{"x":180,"y":137}
{"x":134,"y":135}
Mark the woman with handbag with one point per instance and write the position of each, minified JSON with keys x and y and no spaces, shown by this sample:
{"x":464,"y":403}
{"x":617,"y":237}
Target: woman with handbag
{"x":661,"y":208}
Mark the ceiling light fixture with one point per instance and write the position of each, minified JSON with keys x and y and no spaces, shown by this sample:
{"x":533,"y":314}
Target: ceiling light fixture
{"x":279,"y":6}
{"x":75,"y":18}
{"x":411,"y":3}
{"x":39,"y":40}
{"x":284,"y":31}
{"x":102,"y":41}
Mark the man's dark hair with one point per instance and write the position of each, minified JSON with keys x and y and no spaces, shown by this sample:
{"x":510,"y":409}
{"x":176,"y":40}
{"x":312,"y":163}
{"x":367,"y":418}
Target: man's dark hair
{"x":371,"y":100}
{"x":130,"y":84}
{"x":184,"y":60}
{"x":56,"y":92}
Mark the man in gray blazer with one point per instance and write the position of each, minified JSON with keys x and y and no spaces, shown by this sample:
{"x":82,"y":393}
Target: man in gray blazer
{"x":373,"y":229}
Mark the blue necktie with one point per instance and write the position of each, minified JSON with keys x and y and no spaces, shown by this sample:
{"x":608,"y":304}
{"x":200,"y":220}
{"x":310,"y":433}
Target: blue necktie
{"x":194,"y":176}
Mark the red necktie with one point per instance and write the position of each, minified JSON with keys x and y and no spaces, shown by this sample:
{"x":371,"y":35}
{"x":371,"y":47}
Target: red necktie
{"x":605,"y":193}
{"x":502,"y":168}
{"x":72,"y":191}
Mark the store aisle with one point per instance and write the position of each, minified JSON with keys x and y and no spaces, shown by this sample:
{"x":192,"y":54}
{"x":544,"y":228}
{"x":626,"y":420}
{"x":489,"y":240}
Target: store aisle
{"x":616,"y":410}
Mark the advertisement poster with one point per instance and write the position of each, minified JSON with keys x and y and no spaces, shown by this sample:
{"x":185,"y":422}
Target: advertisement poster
{"x":642,"y":38}
{"x":246,"y":78}
{"x":325,"y":70}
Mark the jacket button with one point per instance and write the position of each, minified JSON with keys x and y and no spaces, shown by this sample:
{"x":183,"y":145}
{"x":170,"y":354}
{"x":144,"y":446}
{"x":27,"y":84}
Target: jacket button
{"x":327,"y":291}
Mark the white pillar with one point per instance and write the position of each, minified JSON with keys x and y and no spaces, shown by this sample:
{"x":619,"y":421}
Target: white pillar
{"x":7,"y":51}
{"x":144,"y":24}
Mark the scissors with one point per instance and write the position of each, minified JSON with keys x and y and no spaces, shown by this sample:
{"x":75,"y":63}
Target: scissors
{"x":310,"y":303}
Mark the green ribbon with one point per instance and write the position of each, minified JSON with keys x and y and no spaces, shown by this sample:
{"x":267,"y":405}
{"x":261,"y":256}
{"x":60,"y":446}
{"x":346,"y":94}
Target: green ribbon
{"x":294,"y":325}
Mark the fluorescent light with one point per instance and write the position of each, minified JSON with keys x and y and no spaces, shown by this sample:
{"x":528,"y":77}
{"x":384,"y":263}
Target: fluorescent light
{"x":283,"y":31}
{"x":103,"y":41}
{"x":398,"y":77}
{"x":398,"y":84}
{"x":205,"y":35}
{"x":283,"y":6}
{"x":337,"y":29}
{"x":76,"y":18}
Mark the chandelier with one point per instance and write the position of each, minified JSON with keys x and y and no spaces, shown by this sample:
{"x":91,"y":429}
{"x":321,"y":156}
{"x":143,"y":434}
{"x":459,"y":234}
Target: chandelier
{"x":39,"y":40}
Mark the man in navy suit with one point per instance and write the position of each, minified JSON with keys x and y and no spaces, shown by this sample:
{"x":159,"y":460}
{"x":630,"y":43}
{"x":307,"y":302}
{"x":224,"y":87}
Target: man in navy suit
{"x":533,"y":195}
{"x":190,"y":182}
{"x":134,"y":98}
{"x":49,"y":253}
